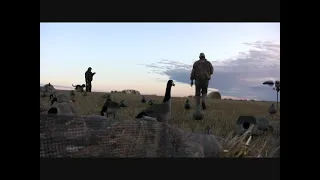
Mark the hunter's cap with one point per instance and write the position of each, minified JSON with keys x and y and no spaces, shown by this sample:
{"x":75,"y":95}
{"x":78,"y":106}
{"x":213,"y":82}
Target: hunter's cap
{"x":201,"y":55}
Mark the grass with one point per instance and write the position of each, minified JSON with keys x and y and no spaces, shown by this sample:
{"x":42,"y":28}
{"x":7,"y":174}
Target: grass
{"x":221,"y":114}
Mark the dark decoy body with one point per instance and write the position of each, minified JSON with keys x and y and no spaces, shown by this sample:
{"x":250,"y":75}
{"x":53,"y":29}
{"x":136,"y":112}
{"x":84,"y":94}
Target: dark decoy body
{"x":159,"y":112}
{"x":110,"y":107}
{"x":143,"y":100}
{"x":187,"y":104}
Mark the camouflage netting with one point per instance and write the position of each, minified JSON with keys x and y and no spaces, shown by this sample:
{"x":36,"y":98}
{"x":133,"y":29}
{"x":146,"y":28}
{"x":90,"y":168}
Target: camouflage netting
{"x":214,"y":95}
{"x":96,"y":136}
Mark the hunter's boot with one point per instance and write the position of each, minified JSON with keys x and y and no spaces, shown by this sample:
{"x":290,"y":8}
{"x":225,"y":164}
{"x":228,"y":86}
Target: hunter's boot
{"x":204,"y":100}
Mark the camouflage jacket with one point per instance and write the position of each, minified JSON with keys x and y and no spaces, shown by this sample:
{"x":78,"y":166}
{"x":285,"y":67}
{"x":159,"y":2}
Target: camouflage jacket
{"x":89,"y":75}
{"x":202,"y":69}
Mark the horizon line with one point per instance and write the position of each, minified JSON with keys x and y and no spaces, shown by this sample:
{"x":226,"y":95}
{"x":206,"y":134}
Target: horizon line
{"x":222,"y":96}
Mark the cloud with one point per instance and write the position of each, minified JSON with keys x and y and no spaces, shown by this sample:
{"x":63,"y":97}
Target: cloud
{"x":241,"y":76}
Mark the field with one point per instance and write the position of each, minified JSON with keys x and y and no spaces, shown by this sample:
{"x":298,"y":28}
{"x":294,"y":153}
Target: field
{"x":221,"y":114}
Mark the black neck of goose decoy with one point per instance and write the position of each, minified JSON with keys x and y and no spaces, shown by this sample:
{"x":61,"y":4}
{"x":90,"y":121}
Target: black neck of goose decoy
{"x":54,"y":100}
{"x":167,"y":95}
{"x":104,"y":108}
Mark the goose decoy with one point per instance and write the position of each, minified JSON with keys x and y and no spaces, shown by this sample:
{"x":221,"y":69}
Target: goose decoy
{"x":143,"y":100}
{"x":187,"y":104}
{"x":261,"y":125}
{"x":62,"y":108}
{"x":110,"y":107}
{"x":60,"y":98}
{"x":272,"y":110}
{"x":159,"y":112}
{"x":198,"y":115}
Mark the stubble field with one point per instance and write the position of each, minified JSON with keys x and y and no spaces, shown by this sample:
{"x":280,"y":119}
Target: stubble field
{"x":220,"y":114}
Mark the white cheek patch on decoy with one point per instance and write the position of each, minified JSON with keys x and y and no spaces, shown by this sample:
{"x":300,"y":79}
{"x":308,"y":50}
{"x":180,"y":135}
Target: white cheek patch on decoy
{"x":148,"y":118}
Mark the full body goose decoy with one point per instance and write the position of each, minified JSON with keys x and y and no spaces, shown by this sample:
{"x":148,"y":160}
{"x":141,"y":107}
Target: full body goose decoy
{"x":143,"y":100}
{"x":110,"y":107}
{"x":187,"y":104}
{"x":159,"y":112}
{"x":272,"y":110}
{"x":60,"y":98}
{"x":62,"y":108}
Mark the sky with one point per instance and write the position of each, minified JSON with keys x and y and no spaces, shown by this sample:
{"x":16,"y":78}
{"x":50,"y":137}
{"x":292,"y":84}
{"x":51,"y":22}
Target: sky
{"x":143,"y":56}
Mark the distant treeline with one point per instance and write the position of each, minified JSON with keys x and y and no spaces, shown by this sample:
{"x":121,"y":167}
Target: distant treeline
{"x":127,"y":91}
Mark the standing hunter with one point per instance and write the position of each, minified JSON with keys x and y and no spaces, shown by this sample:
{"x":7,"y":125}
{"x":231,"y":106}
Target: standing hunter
{"x":89,"y":77}
{"x":201,"y":73}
